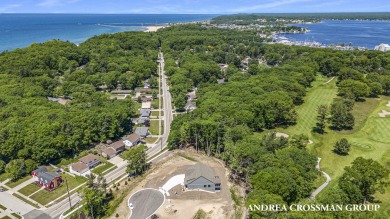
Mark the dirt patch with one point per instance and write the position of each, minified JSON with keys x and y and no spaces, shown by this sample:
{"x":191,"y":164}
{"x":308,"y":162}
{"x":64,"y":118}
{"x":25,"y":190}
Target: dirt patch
{"x":388,"y":104}
{"x":184,"y":204}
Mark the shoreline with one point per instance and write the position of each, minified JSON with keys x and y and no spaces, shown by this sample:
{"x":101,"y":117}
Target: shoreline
{"x":153,"y":28}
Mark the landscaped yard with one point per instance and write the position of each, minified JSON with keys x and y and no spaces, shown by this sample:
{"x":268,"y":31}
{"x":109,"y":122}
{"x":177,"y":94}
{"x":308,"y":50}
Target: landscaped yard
{"x":153,"y":128}
{"x":102,"y":167}
{"x":29,"y":189}
{"x":44,"y":197}
{"x":150,"y":140}
{"x":155,"y":104}
{"x":156,"y":113}
{"x":17,"y":182}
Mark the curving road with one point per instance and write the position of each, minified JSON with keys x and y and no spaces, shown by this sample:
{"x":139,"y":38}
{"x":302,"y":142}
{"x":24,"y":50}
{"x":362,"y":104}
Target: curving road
{"x":319,"y":189}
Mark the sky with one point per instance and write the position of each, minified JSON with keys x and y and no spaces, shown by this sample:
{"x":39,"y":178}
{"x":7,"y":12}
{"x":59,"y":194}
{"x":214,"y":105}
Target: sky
{"x":191,"y":6}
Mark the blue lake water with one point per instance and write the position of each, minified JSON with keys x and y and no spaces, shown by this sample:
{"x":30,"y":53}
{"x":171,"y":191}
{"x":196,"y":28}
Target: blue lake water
{"x":359,"y":33}
{"x":20,"y":30}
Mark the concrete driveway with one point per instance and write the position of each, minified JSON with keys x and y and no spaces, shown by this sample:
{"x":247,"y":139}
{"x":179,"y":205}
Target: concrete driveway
{"x":117,"y":161}
{"x":15,"y":204}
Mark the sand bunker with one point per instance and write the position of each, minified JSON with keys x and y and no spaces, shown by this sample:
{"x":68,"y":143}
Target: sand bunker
{"x":384,"y":113}
{"x":388,"y":104}
{"x":279,"y":134}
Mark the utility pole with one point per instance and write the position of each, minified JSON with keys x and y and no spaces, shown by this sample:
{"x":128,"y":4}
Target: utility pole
{"x":67,"y":188}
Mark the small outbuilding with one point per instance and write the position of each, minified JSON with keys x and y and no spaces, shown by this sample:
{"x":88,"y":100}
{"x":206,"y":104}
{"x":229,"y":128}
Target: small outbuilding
{"x":201,"y":177}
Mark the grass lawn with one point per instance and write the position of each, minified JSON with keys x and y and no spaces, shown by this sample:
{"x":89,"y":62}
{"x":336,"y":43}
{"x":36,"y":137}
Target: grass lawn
{"x":156,"y":113}
{"x":2,"y":207}
{"x":3,"y":177}
{"x":6,"y":217}
{"x":16,"y":215}
{"x":153,"y":128}
{"x":44,"y":197}
{"x":102,"y":167}
{"x":155,"y":104}
{"x":20,"y":181}
{"x":29,"y":189}
{"x":150,"y":140}
{"x":370,"y":137}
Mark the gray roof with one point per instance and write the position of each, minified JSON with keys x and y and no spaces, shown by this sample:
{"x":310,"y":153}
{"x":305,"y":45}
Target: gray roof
{"x":198,"y":170}
{"x":142,"y":120}
{"x":40,"y":170}
{"x":145,"y":112}
{"x":47,"y":176}
{"x":142,"y":131}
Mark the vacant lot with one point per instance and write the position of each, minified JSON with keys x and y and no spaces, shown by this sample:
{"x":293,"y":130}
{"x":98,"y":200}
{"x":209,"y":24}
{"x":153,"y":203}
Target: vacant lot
{"x":183,"y":203}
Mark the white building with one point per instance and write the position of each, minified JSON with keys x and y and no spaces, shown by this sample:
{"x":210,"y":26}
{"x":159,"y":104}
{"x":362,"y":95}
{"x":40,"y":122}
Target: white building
{"x":383,"y":47}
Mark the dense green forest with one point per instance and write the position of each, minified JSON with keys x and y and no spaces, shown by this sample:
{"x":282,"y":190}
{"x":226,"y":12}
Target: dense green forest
{"x":285,"y":18}
{"x":36,"y":129}
{"x":230,"y":117}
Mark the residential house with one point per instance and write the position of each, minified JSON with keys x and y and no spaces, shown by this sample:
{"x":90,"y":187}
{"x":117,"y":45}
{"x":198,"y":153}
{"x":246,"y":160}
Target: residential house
{"x":90,"y":160}
{"x":190,"y":106}
{"x":141,"y":120}
{"x":121,"y":92}
{"x":118,"y":146}
{"x":201,"y":177}
{"x":78,"y":168}
{"x":143,"y":90}
{"x":49,"y":180}
{"x":38,"y":171}
{"x":109,"y":153}
{"x":142,"y":131}
{"x":146,"y":105}
{"x":145,"y":113}
{"x":132,"y":140}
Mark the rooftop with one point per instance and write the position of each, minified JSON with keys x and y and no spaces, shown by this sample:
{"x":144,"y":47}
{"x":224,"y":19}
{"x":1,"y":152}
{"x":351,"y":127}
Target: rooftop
{"x":198,"y":170}
{"x":133,"y":137}
{"x":88,"y":158}
{"x":117,"y":144}
{"x":146,"y":105}
{"x":142,"y":131}
{"x":79,"y":166}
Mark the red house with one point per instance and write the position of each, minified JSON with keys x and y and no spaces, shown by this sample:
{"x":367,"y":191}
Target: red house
{"x":37,"y":171}
{"x":49,"y":180}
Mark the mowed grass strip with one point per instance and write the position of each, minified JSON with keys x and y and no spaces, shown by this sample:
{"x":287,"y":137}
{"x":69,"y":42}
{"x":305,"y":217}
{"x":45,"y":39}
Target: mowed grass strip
{"x":18,"y":182}
{"x":102,"y":167}
{"x":44,"y":197}
{"x":29,"y":189}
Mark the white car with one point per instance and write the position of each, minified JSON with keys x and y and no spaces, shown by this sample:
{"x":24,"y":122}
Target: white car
{"x":131,"y":206}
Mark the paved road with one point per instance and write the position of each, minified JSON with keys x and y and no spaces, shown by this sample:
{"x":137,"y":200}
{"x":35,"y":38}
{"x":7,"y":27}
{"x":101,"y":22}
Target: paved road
{"x":15,"y":204}
{"x":319,"y":189}
{"x":168,"y":116}
{"x":56,"y":210}
{"x":145,"y":203}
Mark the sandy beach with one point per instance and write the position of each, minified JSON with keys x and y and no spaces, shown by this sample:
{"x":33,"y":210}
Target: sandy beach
{"x":153,"y":28}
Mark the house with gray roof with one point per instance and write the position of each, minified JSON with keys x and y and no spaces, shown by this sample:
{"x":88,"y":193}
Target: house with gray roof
{"x":142,"y":131}
{"x":201,"y":177}
{"x":49,"y":180}
{"x":145,"y":113}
